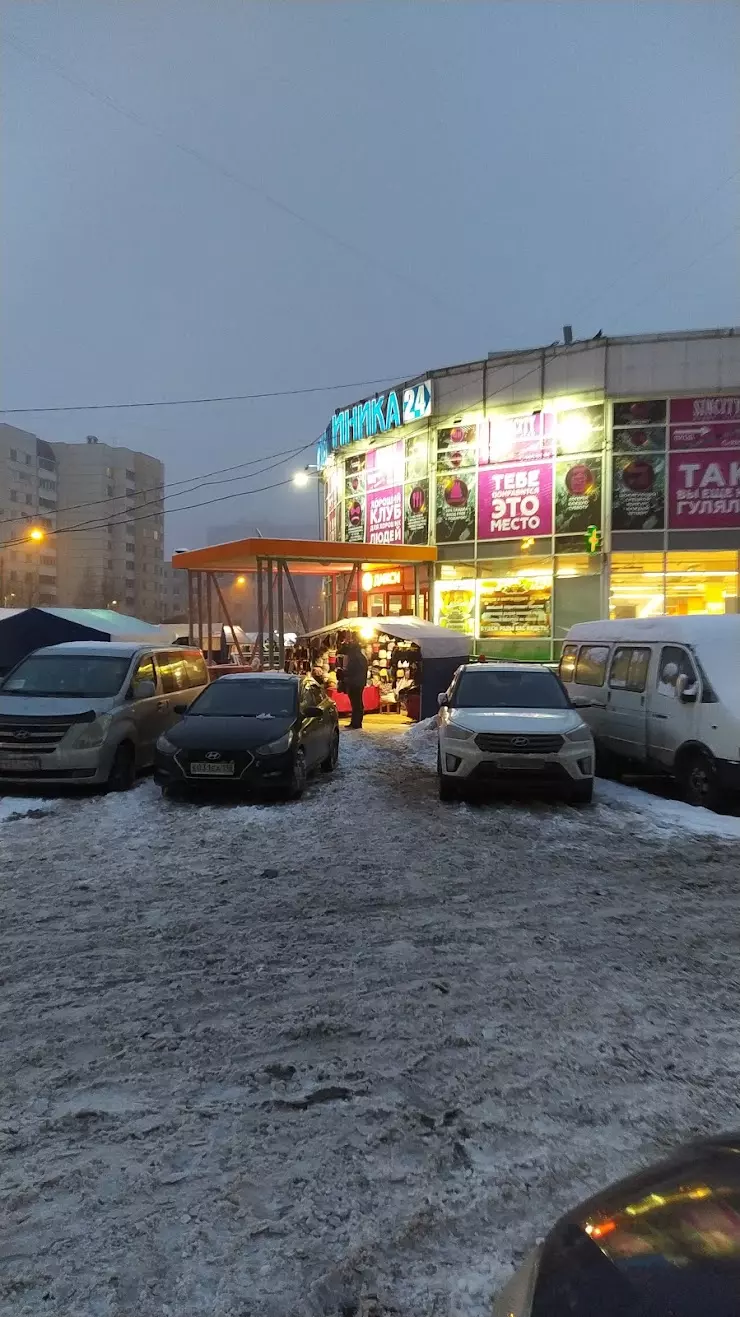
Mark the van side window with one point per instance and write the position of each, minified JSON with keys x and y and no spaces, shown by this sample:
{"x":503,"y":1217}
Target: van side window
{"x":629,"y":669}
{"x":197,"y":672}
{"x":568,"y":662}
{"x":145,"y":671}
{"x":173,"y":672}
{"x":591,"y":665}
{"x":674,"y":663}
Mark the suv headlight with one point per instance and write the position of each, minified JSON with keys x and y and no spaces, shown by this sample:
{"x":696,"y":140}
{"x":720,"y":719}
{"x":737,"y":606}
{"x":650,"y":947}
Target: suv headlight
{"x":86,"y":736}
{"x":455,"y":733}
{"x":277,"y":747}
{"x":582,"y":733}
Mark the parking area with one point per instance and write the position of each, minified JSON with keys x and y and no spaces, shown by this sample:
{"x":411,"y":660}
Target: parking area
{"x":258,"y":1058}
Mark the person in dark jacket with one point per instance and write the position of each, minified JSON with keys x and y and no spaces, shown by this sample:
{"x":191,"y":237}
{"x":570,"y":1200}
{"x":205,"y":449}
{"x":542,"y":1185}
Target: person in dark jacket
{"x":354,"y":671}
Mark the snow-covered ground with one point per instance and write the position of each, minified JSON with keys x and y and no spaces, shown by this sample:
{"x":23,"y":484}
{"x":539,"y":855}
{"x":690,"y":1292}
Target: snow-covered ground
{"x":255,"y":1059}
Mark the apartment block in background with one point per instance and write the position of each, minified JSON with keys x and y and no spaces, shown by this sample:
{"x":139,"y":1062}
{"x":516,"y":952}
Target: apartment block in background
{"x":28,"y":501}
{"x":174,"y":594}
{"x":110,"y":546}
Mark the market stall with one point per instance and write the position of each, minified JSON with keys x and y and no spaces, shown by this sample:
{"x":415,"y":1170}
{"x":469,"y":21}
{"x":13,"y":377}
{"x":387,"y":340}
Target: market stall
{"x":409,"y":661}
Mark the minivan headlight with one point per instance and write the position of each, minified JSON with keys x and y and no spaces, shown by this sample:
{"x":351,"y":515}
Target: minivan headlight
{"x":582,"y":733}
{"x":277,"y":747}
{"x":86,"y":736}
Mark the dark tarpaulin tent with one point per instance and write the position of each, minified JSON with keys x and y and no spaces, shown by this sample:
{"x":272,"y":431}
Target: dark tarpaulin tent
{"x":25,"y":629}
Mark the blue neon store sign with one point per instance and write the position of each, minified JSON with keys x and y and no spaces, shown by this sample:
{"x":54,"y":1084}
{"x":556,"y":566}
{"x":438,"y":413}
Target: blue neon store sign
{"x":379,"y":415}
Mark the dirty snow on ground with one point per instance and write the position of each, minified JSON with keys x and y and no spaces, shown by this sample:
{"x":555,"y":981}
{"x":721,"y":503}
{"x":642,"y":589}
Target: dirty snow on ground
{"x":256,"y":1059}
{"x":15,"y":807}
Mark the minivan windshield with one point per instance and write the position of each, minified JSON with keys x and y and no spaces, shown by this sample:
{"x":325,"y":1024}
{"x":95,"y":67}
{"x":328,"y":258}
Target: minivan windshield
{"x":489,"y":689}
{"x":76,"y":676}
{"x":252,"y":697}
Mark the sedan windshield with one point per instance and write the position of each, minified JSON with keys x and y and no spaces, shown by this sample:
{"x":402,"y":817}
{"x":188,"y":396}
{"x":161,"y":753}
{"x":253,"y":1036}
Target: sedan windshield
{"x":509,"y":690}
{"x":250,"y":698}
{"x":73,"y":675}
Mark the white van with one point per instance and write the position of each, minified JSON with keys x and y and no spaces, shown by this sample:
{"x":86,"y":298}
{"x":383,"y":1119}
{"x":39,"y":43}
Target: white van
{"x":664,"y":694}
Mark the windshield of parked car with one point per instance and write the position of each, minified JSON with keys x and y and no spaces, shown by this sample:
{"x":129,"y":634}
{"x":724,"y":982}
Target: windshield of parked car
{"x":250,"y":698}
{"x":72,"y":675}
{"x":482,"y":689}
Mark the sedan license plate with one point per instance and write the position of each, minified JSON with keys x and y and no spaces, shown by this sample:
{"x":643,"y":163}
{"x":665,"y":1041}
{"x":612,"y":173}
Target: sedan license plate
{"x":17,"y":764}
{"x":223,"y":769}
{"x":523,"y":762}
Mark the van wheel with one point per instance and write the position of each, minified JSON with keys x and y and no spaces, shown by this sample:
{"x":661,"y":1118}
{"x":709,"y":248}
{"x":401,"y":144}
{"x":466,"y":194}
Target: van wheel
{"x":698,"y":778}
{"x":122,"y":773}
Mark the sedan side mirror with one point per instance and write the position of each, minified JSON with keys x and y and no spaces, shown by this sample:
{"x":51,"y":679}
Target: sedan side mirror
{"x":144,"y":690}
{"x":686,"y":689}
{"x":443,"y":700}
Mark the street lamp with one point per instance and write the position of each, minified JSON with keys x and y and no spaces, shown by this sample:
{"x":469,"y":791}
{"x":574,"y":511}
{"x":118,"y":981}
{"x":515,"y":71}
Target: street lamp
{"x":301,"y":479}
{"x":36,"y":534}
{"x":241,"y":581}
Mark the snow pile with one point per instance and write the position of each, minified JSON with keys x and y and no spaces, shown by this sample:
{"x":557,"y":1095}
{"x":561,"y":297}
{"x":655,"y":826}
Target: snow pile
{"x":668,"y":815}
{"x":18,"y":807}
{"x":420,"y":742}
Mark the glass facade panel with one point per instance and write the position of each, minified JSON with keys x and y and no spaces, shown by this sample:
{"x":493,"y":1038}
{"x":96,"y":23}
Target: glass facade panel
{"x":636,"y":585}
{"x":701,"y":582}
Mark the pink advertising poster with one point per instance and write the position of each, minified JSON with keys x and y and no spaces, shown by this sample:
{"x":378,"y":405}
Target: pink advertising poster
{"x":515,"y":501}
{"x":385,"y":516}
{"x":710,"y":422}
{"x":704,"y":491}
{"x":523,"y":438}
{"x":384,"y":468}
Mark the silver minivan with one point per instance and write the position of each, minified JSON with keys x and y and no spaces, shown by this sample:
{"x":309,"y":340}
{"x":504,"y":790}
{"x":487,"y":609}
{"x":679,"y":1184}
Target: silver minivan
{"x":89,"y":712}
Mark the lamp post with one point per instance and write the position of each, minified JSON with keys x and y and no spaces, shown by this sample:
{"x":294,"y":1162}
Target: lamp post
{"x":34,"y":535}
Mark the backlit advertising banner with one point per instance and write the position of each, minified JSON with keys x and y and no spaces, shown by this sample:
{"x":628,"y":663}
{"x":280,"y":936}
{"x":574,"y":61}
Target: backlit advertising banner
{"x":638,"y":492}
{"x":457,"y":448}
{"x":704,"y":491}
{"x":385,"y":516}
{"x":416,"y":512}
{"x":354,"y":520}
{"x":384,"y":467}
{"x":515,"y":501}
{"x":354,"y":476}
{"x":704,"y":423}
{"x":455,"y":521}
{"x":526,"y":437}
{"x":577,"y":494}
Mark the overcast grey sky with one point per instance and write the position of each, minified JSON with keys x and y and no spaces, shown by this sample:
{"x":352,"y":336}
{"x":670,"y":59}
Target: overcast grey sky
{"x":499,"y":168}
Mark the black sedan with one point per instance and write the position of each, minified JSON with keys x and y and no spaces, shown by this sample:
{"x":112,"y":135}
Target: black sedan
{"x":259,"y":731}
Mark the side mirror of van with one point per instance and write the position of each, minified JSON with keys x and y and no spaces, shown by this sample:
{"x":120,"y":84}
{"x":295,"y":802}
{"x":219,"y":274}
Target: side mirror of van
{"x":443,"y":700}
{"x":686,"y":689}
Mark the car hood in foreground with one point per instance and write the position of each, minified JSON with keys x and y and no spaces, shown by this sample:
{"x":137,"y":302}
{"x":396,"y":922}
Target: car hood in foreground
{"x":517,"y":722}
{"x":198,"y":732}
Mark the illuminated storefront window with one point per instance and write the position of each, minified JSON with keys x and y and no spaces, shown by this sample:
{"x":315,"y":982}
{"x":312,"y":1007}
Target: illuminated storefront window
{"x":454,"y":598}
{"x":636,"y":585}
{"x":515,"y":606}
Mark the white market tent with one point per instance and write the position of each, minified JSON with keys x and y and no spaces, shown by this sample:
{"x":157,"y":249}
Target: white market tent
{"x":434,"y":641}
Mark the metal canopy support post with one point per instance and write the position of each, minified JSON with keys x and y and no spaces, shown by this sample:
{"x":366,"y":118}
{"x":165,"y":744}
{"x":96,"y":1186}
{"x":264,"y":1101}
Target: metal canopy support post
{"x":209,"y":616}
{"x":280,"y":616}
{"x":191,"y":610}
{"x":416,"y":589}
{"x":270,"y":618}
{"x":347,"y":593}
{"x":292,"y":589}
{"x":199,"y":580}
{"x":259,"y":642}
{"x":229,"y":623}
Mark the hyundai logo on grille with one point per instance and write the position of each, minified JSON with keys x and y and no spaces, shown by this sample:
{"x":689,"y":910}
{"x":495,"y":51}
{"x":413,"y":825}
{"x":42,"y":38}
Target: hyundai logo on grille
{"x":520,"y":742}
{"x":213,"y":754}
{"x":20,"y":735}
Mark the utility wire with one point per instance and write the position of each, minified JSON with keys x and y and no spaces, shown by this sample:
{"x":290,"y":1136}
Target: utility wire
{"x":193,"y":402}
{"x":194,"y":153}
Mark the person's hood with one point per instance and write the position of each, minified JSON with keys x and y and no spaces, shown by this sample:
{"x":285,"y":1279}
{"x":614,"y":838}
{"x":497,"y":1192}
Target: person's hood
{"x":199,"y":732}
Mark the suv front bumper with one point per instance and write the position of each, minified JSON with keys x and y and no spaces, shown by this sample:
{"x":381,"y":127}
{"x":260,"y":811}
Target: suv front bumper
{"x":464,"y":761}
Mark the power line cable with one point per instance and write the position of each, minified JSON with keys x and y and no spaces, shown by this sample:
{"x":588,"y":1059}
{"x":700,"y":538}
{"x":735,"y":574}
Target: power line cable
{"x":367,"y":258}
{"x":193,"y":402}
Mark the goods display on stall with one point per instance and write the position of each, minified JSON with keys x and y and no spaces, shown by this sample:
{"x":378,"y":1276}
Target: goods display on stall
{"x":409,"y":662}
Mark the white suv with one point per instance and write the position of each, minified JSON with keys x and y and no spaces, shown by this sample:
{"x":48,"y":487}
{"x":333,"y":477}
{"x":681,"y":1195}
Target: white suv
{"x":507,"y":723}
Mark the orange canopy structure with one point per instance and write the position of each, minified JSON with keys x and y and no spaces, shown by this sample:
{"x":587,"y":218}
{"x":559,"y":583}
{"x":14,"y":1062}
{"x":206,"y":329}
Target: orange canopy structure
{"x":274,"y":562}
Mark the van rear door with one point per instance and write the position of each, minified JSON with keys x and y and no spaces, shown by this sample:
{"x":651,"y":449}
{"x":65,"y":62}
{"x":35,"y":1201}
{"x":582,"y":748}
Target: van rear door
{"x":626,"y":702}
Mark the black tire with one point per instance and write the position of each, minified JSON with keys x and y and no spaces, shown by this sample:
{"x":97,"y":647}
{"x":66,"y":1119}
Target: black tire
{"x":447,"y":789}
{"x":298,"y":777}
{"x":329,"y":764}
{"x":698,"y":778}
{"x":122,"y":773}
{"x":582,"y":793}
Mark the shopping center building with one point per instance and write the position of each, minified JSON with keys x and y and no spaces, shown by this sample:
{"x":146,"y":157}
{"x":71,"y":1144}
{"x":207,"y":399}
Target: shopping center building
{"x":562,"y":484}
